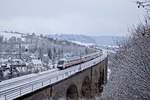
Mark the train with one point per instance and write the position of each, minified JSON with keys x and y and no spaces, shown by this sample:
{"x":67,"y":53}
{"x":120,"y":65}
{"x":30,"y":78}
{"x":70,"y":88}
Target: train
{"x":66,"y":63}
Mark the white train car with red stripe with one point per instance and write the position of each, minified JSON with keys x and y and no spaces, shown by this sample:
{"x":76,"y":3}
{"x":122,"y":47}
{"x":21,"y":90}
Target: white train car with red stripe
{"x":65,"y":63}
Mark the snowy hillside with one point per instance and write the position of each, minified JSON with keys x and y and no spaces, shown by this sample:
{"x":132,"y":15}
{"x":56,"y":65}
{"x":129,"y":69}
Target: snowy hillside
{"x":8,"y":35}
{"x":34,"y":53}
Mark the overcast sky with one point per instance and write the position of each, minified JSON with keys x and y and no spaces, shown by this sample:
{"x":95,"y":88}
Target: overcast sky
{"x":91,"y":17}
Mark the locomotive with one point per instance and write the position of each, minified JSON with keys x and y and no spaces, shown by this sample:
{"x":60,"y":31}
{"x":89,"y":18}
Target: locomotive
{"x":65,"y":63}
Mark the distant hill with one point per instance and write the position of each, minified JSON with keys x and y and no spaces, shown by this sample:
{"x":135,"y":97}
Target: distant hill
{"x":79,"y":39}
{"x":73,"y":37}
{"x":108,"y":40}
{"x":99,"y":40}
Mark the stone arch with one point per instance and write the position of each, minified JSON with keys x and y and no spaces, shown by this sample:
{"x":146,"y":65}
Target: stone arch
{"x":96,"y":81}
{"x":101,"y":79}
{"x":72,"y":92}
{"x":95,"y":74}
{"x":86,"y":88}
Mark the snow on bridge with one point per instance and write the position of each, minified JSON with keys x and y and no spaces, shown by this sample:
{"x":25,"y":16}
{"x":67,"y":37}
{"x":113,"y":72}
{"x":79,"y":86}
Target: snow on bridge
{"x":17,"y":87}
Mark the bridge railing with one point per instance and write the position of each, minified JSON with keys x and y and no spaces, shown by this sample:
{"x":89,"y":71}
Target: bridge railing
{"x":28,"y":87}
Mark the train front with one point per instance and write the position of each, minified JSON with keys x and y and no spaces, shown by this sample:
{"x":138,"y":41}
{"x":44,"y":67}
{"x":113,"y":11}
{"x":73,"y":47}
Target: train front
{"x":61,"y":64}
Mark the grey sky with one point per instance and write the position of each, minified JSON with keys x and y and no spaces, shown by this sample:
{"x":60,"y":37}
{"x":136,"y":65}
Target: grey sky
{"x":91,"y":17}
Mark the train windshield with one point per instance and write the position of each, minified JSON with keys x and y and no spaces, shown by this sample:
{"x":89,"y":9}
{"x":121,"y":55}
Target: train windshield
{"x":61,"y":62}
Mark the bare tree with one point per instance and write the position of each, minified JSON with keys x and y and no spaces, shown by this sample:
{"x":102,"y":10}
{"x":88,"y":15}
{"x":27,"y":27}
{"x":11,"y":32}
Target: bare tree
{"x":144,"y":4}
{"x":131,"y":79}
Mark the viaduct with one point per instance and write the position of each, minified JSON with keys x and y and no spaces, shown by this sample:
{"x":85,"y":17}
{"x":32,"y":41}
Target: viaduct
{"x":83,"y":84}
